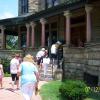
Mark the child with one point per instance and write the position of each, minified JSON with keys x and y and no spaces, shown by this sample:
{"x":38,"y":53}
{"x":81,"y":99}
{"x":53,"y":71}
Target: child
{"x":45,"y":63}
{"x":1,"y":75}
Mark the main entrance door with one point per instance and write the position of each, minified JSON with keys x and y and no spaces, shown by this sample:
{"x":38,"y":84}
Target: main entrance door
{"x":51,"y":34}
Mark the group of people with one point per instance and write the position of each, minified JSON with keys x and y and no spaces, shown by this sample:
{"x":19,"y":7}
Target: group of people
{"x":28,"y":70}
{"x":43,"y":60}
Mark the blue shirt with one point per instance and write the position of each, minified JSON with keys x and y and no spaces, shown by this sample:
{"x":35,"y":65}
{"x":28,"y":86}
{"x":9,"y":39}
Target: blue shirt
{"x":28,"y":71}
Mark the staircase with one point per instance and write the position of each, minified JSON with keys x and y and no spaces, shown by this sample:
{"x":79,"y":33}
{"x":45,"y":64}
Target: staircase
{"x":50,"y":73}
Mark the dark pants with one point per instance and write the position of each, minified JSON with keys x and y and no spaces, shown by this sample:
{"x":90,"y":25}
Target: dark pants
{"x":14,"y":77}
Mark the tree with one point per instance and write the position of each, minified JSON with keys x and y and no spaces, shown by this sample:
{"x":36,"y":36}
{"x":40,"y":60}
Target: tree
{"x":12,"y":42}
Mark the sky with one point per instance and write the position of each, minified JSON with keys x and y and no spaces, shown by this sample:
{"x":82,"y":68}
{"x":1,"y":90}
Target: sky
{"x":8,"y":8}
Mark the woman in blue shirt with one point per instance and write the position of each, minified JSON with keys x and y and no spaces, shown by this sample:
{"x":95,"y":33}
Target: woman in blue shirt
{"x":29,"y":76}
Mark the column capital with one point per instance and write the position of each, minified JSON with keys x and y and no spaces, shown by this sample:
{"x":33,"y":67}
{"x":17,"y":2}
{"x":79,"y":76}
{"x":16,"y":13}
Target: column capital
{"x":32,"y":24}
{"x":2,"y":27}
{"x":88,"y":8}
{"x":67,"y":13}
{"x":27,"y":25}
{"x":42,"y":21}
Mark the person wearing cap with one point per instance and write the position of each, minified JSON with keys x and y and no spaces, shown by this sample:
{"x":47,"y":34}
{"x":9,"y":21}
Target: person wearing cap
{"x":29,"y":76}
{"x":14,"y":64}
{"x":39,"y":56}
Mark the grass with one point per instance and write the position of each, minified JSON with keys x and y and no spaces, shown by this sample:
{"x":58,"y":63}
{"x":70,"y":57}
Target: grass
{"x":50,"y":91}
{"x":7,"y":75}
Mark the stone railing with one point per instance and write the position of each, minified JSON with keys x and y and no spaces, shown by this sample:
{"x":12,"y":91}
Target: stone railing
{"x":9,"y":53}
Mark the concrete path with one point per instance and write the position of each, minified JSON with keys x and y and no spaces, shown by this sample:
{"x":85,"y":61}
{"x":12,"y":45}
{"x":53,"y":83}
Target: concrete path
{"x":7,"y":94}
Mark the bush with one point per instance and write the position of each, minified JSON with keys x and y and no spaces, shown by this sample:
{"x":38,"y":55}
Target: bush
{"x":6,"y":65}
{"x":73,"y":90}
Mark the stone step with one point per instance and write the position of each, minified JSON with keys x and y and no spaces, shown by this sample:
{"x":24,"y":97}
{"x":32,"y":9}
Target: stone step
{"x":49,"y":75}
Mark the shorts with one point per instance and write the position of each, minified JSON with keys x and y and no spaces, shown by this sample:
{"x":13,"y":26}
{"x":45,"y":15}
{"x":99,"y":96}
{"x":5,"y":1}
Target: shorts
{"x":53,"y":56}
{"x":14,"y":77}
{"x":39,"y":61}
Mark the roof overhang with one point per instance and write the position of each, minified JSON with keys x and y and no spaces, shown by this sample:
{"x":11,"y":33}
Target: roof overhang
{"x":43,"y":14}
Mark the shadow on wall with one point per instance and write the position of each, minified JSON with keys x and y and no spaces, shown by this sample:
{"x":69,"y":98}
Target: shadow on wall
{"x":90,"y":80}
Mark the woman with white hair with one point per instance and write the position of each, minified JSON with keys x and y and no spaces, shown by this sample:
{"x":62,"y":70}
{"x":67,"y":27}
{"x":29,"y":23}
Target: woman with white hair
{"x":29,"y":76}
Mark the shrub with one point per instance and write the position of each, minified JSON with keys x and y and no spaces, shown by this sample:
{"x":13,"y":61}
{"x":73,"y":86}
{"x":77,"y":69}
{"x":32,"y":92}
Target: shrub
{"x":6,"y":65}
{"x":73,"y":90}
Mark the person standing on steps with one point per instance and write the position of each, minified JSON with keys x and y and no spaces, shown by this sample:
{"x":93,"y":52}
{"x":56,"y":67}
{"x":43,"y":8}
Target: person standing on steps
{"x":39,"y":56}
{"x":53,"y":55}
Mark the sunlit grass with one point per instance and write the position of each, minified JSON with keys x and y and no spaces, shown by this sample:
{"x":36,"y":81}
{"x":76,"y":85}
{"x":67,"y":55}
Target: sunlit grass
{"x":50,"y":91}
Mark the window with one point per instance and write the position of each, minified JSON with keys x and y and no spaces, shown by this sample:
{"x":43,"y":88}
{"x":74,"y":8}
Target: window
{"x":24,"y":6}
{"x":55,"y":2}
{"x":51,"y":3}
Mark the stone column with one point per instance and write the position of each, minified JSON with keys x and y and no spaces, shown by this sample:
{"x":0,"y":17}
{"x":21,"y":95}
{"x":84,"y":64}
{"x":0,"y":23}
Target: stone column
{"x":43,"y":21}
{"x":67,"y":15}
{"x":33,"y":33}
{"x":99,"y":80}
{"x":3,"y":37}
{"x":88,"y":9}
{"x":27,"y":37}
{"x":19,"y":38}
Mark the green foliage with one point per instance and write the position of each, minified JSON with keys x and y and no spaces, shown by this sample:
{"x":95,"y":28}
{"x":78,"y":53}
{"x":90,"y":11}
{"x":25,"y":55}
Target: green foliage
{"x":73,"y":90}
{"x":50,"y":91}
{"x":12,"y":42}
{"x":93,"y":96}
{"x":6,"y":64}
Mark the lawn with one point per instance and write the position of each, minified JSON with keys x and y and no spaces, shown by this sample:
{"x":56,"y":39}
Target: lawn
{"x":50,"y":91}
{"x":7,"y":75}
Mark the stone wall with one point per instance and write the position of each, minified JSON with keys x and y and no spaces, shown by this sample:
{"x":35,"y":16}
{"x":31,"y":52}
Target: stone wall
{"x":9,"y":53}
{"x":33,"y":52}
{"x":78,"y":61}
{"x":33,"y":6}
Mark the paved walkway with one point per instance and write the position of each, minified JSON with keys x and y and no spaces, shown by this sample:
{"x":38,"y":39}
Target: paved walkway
{"x":7,"y":94}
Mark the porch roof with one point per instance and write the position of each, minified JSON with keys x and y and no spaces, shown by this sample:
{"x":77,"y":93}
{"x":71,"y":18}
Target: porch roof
{"x":43,"y":14}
